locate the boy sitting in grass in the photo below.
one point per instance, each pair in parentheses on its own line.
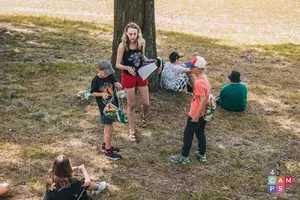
(233,96)
(103,88)
(174,76)
(195,121)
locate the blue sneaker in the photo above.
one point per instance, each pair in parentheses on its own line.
(202,158)
(179,159)
(114,149)
(110,155)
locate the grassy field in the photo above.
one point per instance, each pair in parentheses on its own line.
(44,62)
(239,21)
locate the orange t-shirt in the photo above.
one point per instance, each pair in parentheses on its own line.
(201,88)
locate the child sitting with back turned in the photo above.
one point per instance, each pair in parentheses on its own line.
(61,185)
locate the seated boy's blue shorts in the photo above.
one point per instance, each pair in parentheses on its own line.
(105,120)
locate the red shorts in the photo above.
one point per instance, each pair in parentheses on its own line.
(129,81)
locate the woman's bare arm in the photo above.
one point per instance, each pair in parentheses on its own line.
(120,53)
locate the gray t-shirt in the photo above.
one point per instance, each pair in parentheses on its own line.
(171,75)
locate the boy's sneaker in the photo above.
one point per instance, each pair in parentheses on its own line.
(114,149)
(179,159)
(202,158)
(102,186)
(110,155)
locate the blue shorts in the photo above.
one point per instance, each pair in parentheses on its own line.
(105,120)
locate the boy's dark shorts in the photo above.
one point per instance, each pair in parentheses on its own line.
(105,120)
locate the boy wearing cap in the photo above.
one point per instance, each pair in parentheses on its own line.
(103,88)
(195,121)
(173,76)
(233,96)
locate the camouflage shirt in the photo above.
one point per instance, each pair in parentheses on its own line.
(171,75)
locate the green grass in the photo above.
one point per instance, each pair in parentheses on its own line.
(44,63)
(289,51)
(44,21)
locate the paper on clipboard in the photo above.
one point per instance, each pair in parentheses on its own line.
(146,70)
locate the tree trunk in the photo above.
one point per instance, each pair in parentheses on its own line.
(142,13)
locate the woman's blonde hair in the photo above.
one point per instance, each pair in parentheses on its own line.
(61,173)
(139,40)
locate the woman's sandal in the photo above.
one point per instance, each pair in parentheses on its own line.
(132,137)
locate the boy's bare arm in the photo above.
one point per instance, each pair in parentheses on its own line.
(118,85)
(200,108)
(98,94)
(183,65)
(101,94)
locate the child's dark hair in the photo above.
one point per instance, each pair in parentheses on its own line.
(61,173)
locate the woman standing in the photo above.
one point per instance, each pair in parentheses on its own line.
(130,56)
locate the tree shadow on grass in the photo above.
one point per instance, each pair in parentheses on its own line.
(42,118)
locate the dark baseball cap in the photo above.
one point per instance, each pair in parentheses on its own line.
(105,66)
(174,56)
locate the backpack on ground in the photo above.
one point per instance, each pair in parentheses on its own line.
(85,94)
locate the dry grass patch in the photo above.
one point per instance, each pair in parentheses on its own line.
(41,117)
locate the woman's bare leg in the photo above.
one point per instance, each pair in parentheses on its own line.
(130,95)
(144,99)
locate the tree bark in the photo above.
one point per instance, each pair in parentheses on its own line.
(142,13)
